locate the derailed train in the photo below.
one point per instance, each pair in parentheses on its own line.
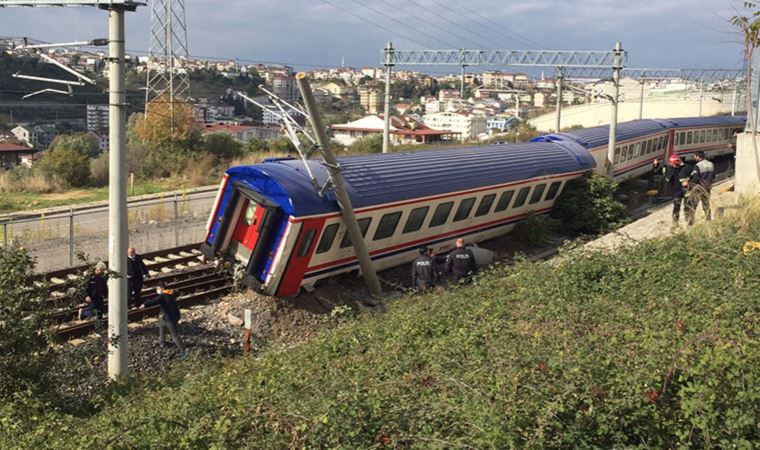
(269,220)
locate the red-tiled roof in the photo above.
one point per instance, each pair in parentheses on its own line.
(223,128)
(13,148)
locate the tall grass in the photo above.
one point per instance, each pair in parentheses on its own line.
(32,182)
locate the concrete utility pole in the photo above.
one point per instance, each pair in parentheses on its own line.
(733,102)
(701,96)
(641,99)
(560,79)
(117,189)
(617,66)
(336,178)
(461,87)
(387,106)
(118,237)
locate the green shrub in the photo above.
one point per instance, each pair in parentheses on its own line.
(67,166)
(534,230)
(586,206)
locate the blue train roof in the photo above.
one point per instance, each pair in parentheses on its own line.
(599,136)
(392,177)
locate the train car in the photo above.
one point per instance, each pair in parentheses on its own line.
(641,141)
(269,220)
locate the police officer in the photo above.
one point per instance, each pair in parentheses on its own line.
(672,175)
(699,185)
(461,263)
(423,270)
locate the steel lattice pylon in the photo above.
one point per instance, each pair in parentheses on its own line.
(167,54)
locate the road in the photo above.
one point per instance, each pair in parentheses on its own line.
(155,222)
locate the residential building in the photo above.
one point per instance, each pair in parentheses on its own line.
(403,130)
(445,95)
(502,123)
(322,96)
(271,116)
(371,99)
(467,126)
(284,86)
(521,81)
(539,100)
(38,136)
(243,133)
(11,155)
(97,118)
(337,90)
(206,113)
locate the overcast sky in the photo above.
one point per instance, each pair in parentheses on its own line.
(656,33)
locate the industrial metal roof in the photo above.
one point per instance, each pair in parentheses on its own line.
(393,177)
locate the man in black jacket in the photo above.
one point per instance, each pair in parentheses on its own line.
(461,262)
(673,174)
(136,271)
(423,270)
(169,316)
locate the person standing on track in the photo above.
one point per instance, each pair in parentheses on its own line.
(136,271)
(699,184)
(461,263)
(169,316)
(672,174)
(423,270)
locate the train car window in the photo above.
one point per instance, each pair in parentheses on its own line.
(485,205)
(363,226)
(617,155)
(650,145)
(250,213)
(553,190)
(637,151)
(681,138)
(504,200)
(702,136)
(522,195)
(662,143)
(416,219)
(306,241)
(441,214)
(387,226)
(688,137)
(715,135)
(627,155)
(465,207)
(328,236)
(538,192)
(725,133)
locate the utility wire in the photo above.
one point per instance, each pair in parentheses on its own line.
(374,23)
(403,24)
(519,36)
(454,23)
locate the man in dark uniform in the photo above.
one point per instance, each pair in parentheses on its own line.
(699,183)
(461,263)
(136,271)
(423,270)
(672,174)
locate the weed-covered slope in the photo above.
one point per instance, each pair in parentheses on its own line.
(656,346)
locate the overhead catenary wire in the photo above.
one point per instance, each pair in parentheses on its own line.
(396,33)
(519,36)
(454,23)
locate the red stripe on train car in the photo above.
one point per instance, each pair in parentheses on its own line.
(296,266)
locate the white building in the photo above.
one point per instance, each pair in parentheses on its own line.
(403,130)
(467,125)
(243,133)
(39,136)
(97,118)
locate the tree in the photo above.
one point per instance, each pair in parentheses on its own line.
(84,143)
(67,166)
(167,125)
(749,26)
(223,146)
(24,327)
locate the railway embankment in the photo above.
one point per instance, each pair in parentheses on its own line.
(653,344)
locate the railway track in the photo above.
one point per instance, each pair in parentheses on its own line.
(182,269)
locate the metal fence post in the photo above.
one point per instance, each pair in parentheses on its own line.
(176,220)
(71,237)
(5,234)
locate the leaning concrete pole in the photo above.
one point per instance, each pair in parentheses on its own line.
(387,106)
(117,198)
(560,80)
(336,178)
(613,120)
(641,99)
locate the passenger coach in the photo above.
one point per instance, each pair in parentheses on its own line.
(641,141)
(269,219)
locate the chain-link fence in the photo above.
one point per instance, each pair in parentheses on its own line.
(56,238)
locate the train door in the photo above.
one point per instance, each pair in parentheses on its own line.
(247,229)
